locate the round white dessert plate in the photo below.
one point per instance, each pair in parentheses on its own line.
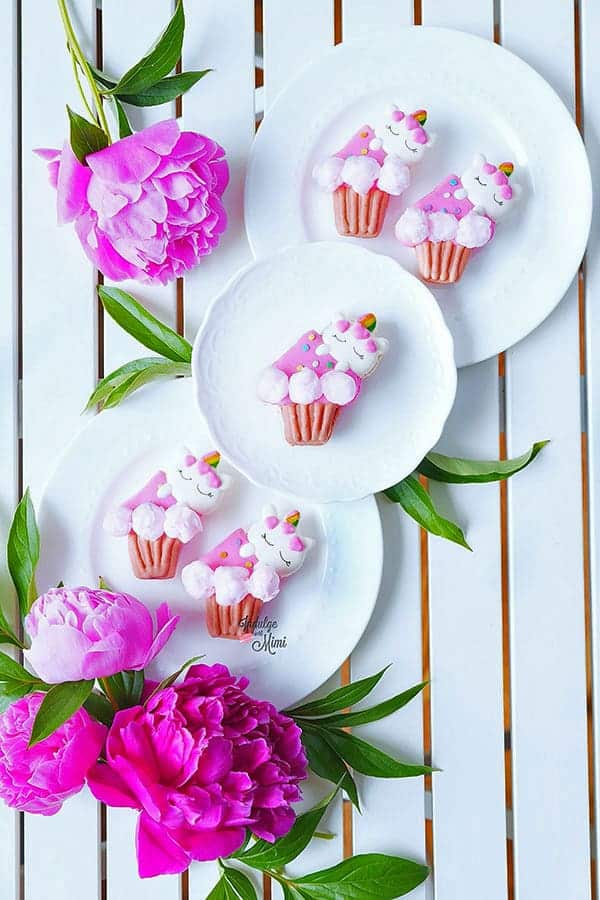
(479,98)
(322,609)
(402,407)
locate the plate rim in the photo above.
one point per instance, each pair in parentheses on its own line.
(379,36)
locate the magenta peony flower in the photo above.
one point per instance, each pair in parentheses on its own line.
(79,633)
(39,779)
(146,207)
(202,762)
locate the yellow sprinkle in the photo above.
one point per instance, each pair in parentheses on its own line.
(364,151)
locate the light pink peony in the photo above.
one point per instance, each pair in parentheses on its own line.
(202,762)
(39,779)
(79,633)
(146,207)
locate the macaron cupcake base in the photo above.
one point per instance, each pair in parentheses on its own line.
(153,559)
(235,621)
(359,215)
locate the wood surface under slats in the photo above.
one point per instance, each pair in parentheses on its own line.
(590,35)
(549,732)
(465,619)
(59,352)
(393,810)
(9,255)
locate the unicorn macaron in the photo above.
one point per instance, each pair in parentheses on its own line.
(321,373)
(374,165)
(457,217)
(245,570)
(167,512)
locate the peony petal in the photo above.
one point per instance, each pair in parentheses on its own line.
(108,787)
(157,852)
(220,171)
(58,653)
(161,137)
(71,187)
(127,160)
(206,845)
(166,628)
(47,153)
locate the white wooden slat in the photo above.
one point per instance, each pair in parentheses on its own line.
(465,622)
(219,36)
(590,36)
(293,36)
(221,106)
(394,634)
(549,740)
(9,236)
(61,853)
(122,46)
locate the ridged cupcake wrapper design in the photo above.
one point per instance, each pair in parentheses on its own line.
(359,215)
(226,621)
(153,559)
(441,262)
(309,423)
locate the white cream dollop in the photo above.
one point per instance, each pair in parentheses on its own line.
(117,521)
(273,385)
(327,174)
(473,230)
(338,388)
(182,523)
(442,226)
(304,386)
(147,520)
(394,176)
(412,227)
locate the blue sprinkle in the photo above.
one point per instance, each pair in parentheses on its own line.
(453,181)
(457,210)
(444,209)
(306,347)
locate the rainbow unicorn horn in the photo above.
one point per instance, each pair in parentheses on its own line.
(213,459)
(293,518)
(421,116)
(368,321)
(507,168)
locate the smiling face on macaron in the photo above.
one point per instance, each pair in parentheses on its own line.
(404,135)
(488,187)
(353,345)
(195,482)
(276,543)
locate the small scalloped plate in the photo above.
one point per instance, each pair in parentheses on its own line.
(479,98)
(402,407)
(321,611)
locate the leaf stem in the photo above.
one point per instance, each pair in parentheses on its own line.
(84,99)
(107,690)
(78,54)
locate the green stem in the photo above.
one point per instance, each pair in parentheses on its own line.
(79,55)
(106,688)
(84,99)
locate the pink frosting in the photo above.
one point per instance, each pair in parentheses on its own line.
(227,553)
(358,145)
(303,355)
(149,494)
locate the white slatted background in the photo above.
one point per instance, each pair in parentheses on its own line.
(440,608)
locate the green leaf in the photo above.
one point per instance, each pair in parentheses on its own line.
(342,697)
(327,763)
(290,892)
(264,855)
(159,61)
(125,129)
(171,679)
(7,635)
(237,885)
(10,693)
(373,713)
(148,368)
(23,552)
(143,326)
(99,708)
(85,137)
(219,891)
(102,78)
(471,471)
(414,500)
(59,704)
(125,688)
(367,876)
(165,90)
(16,681)
(102,584)
(369,760)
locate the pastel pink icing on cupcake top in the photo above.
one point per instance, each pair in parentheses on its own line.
(303,355)
(150,494)
(358,145)
(227,553)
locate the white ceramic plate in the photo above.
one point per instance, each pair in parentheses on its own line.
(479,97)
(402,408)
(322,610)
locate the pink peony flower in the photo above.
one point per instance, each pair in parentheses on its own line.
(202,762)
(79,633)
(146,207)
(39,779)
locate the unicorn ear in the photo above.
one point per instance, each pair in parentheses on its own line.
(478,161)
(268,510)
(431,139)
(338,316)
(382,344)
(517,190)
(185,456)
(308,542)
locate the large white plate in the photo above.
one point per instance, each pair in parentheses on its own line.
(402,408)
(479,97)
(322,610)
